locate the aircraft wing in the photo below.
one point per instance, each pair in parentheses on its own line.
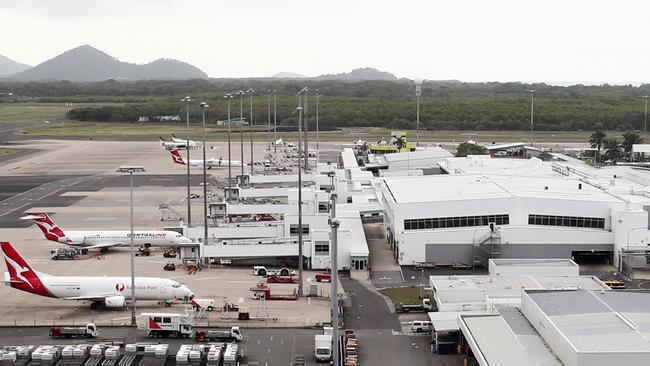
(89,298)
(103,246)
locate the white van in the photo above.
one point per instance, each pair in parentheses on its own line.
(421,326)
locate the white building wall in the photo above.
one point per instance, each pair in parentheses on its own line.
(630,229)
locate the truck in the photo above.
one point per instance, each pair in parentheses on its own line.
(323,347)
(160,325)
(227,335)
(89,331)
(425,305)
(203,304)
(263,271)
(67,253)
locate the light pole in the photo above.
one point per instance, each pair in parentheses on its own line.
(645,123)
(317,130)
(532,110)
(275,121)
(241,130)
(334,225)
(187,101)
(204,106)
(418,92)
(300,259)
(131,170)
(251,91)
(229,97)
(268,117)
(306,111)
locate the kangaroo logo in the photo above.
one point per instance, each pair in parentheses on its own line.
(176,157)
(47,226)
(120,287)
(19,271)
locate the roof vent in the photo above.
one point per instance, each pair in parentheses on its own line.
(546,188)
(579,185)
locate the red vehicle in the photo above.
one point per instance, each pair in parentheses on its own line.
(280,279)
(323,277)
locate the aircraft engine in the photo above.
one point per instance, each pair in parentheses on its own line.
(115,302)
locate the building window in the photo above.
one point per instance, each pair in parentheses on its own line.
(293,229)
(458,221)
(568,221)
(323,207)
(322,248)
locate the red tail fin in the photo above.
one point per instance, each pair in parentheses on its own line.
(176,157)
(48,227)
(21,275)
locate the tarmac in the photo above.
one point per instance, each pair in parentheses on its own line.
(77,183)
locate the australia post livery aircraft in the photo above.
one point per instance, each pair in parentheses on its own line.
(111,292)
(209,163)
(99,239)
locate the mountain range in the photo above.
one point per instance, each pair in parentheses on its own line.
(360,74)
(86,63)
(9,66)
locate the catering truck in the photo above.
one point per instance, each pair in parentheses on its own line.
(167,325)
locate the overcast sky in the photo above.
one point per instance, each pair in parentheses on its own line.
(555,41)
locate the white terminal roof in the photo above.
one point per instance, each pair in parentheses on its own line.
(429,153)
(598,322)
(506,340)
(350,232)
(435,188)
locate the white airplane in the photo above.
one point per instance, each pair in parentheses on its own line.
(181,144)
(176,139)
(110,292)
(209,163)
(104,239)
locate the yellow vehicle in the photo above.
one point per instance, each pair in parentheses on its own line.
(615,284)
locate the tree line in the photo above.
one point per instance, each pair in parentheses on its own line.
(445,105)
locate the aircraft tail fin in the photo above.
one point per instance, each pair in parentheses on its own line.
(21,275)
(176,157)
(47,226)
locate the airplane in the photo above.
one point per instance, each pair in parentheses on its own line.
(176,139)
(109,292)
(181,144)
(104,239)
(209,163)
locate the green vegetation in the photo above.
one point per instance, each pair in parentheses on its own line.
(7,152)
(468,148)
(31,112)
(405,295)
(449,106)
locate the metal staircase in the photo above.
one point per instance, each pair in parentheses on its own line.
(169,213)
(486,247)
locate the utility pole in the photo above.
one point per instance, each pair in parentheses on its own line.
(300,240)
(334,225)
(275,121)
(645,123)
(306,129)
(317,130)
(229,97)
(532,110)
(251,91)
(418,92)
(241,130)
(187,101)
(204,106)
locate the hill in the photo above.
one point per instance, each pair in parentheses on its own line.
(365,73)
(288,75)
(86,63)
(9,66)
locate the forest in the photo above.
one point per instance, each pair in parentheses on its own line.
(445,105)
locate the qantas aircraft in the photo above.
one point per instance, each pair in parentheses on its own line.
(181,144)
(104,239)
(110,292)
(209,163)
